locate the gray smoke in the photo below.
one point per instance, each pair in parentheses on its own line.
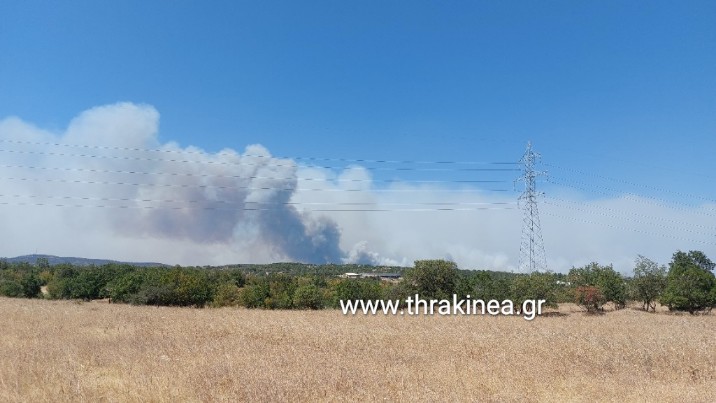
(189,206)
(173,192)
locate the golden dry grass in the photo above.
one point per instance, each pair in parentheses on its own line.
(66,351)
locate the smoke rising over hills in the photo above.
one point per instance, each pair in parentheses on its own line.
(163,191)
(107,187)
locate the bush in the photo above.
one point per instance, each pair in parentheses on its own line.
(125,286)
(395,292)
(356,289)
(10,288)
(281,290)
(486,286)
(191,287)
(535,286)
(255,293)
(590,298)
(19,281)
(308,297)
(611,285)
(690,283)
(227,294)
(432,279)
(59,287)
(89,284)
(159,295)
(31,285)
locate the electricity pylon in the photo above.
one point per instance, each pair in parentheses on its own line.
(532,256)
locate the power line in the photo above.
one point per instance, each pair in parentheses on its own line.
(202,153)
(627,228)
(335,210)
(628,219)
(623,181)
(637,198)
(208,201)
(244,177)
(213,186)
(615,211)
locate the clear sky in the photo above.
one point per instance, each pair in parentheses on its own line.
(618,96)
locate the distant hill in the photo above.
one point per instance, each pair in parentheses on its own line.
(76,261)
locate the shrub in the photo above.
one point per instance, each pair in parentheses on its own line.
(357,289)
(590,298)
(486,286)
(611,285)
(89,284)
(535,286)
(160,295)
(124,286)
(227,294)
(395,292)
(281,289)
(10,288)
(308,297)
(255,293)
(433,279)
(31,285)
(690,283)
(190,286)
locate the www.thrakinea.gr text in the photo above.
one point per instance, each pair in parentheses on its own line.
(414,305)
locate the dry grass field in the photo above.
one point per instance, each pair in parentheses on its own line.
(69,351)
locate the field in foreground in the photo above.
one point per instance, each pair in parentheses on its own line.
(62,350)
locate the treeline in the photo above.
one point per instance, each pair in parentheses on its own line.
(687,284)
(307,269)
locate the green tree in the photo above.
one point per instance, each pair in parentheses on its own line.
(19,280)
(485,285)
(648,283)
(690,283)
(125,285)
(255,293)
(611,285)
(432,279)
(308,297)
(227,294)
(88,284)
(60,287)
(191,287)
(11,288)
(534,286)
(356,289)
(394,292)
(153,294)
(30,283)
(281,289)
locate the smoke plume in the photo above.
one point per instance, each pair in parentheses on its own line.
(107,187)
(123,178)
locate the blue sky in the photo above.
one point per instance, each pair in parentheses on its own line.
(618,89)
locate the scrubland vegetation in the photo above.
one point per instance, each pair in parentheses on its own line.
(687,285)
(93,351)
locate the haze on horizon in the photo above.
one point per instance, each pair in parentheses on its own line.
(283,116)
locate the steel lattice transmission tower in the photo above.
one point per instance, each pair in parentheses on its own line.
(532,256)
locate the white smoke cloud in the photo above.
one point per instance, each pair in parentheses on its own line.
(174,204)
(187,206)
